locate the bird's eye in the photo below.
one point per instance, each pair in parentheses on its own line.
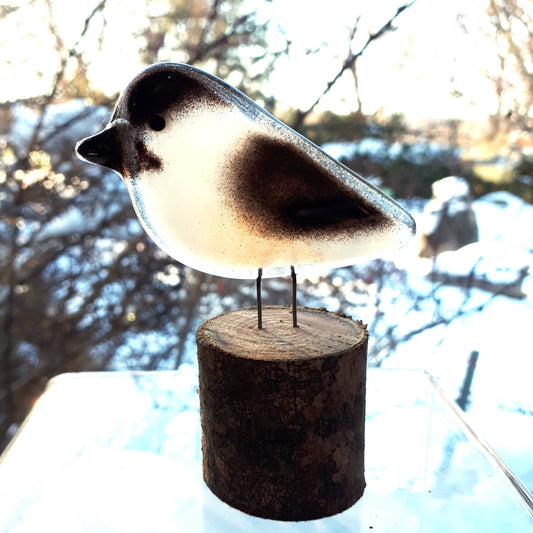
(157,123)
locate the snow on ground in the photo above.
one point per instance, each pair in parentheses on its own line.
(501,398)
(379,150)
(501,388)
(504,217)
(495,261)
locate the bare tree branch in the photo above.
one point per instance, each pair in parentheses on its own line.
(349,62)
(513,26)
(204,50)
(62,69)
(387,342)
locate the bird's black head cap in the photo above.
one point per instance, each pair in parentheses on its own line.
(161,88)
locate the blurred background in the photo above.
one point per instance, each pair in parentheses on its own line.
(431,101)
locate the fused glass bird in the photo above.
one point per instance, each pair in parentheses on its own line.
(224,187)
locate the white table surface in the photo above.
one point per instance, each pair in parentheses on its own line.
(120,452)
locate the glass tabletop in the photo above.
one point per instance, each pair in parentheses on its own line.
(113,452)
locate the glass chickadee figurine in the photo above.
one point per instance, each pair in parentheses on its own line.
(224,187)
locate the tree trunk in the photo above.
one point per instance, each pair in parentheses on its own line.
(283,411)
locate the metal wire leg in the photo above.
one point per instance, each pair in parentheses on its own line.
(294,312)
(259,304)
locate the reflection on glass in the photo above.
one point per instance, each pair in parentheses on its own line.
(122,452)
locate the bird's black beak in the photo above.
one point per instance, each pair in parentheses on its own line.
(105,148)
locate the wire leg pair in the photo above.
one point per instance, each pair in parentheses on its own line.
(259,303)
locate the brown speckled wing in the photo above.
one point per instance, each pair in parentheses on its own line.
(286,193)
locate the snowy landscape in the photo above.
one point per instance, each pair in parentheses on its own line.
(501,399)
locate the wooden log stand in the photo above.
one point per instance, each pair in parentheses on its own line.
(283,411)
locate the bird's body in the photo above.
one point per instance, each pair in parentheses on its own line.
(225,188)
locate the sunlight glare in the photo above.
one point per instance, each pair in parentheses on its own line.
(413,70)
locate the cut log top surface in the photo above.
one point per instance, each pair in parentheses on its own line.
(319,334)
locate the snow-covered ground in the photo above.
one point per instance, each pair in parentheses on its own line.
(379,150)
(501,397)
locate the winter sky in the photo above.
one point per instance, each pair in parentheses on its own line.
(414,70)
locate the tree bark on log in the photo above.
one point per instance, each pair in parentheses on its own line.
(283,411)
